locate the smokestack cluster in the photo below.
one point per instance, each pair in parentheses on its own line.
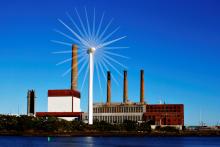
(31,103)
(74,71)
(125,89)
(108,88)
(142,87)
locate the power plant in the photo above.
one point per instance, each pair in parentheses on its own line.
(65,103)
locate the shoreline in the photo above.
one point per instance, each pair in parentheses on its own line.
(111,134)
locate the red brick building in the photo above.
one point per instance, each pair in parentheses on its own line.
(165,114)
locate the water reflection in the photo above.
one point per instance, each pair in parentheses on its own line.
(16,141)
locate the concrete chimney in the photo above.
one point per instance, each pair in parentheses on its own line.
(108,88)
(74,71)
(142,87)
(125,90)
(31,103)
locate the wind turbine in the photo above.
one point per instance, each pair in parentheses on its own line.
(92,39)
(91,73)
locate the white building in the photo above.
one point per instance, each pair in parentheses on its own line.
(64,104)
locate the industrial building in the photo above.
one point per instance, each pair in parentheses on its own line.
(160,114)
(65,103)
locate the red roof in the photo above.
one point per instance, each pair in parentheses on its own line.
(59,114)
(63,92)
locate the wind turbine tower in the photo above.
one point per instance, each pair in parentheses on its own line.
(91,72)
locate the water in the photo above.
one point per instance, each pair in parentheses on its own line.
(14,141)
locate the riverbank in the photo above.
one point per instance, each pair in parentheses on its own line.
(111,133)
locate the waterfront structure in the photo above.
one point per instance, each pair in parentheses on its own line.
(65,103)
(165,114)
(118,112)
(158,114)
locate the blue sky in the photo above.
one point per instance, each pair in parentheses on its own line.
(175,42)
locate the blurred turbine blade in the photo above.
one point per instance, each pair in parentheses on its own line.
(69,59)
(100,85)
(93,26)
(112,74)
(83,58)
(100,24)
(68,51)
(67,36)
(110,58)
(82,40)
(84,79)
(102,70)
(62,52)
(118,55)
(115,47)
(82,67)
(80,32)
(87,21)
(110,42)
(82,25)
(106,28)
(112,66)
(60,42)
(109,35)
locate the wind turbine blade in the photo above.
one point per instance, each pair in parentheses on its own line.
(109,35)
(60,42)
(87,21)
(83,58)
(93,26)
(100,85)
(69,59)
(82,40)
(100,24)
(115,47)
(105,29)
(115,54)
(115,61)
(110,42)
(68,51)
(82,25)
(67,36)
(112,66)
(112,74)
(76,26)
(84,79)
(82,67)
(62,52)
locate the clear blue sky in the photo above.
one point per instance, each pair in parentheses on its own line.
(176,43)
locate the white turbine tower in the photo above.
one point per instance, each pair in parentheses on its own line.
(91,73)
(92,38)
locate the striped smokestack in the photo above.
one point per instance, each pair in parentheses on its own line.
(74,71)
(108,88)
(125,90)
(142,87)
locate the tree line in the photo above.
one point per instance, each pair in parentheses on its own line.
(53,124)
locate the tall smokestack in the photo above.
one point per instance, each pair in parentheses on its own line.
(142,87)
(125,90)
(74,71)
(108,88)
(31,103)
